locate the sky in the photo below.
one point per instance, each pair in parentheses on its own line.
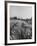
(21,11)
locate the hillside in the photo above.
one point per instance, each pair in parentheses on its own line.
(20,29)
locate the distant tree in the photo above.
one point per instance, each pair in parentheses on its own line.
(15,17)
(26,20)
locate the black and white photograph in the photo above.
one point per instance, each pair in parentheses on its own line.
(20,22)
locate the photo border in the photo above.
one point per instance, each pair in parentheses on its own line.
(6,22)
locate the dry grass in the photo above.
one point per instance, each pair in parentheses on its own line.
(20,30)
